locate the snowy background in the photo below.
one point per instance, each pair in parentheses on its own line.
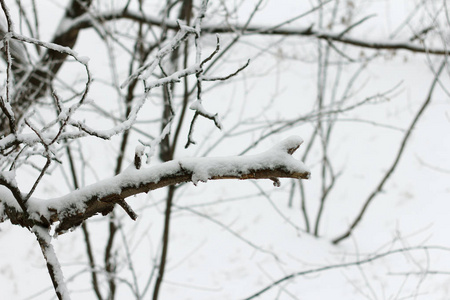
(230,239)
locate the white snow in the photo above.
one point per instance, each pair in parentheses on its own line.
(8,199)
(50,256)
(206,168)
(51,46)
(6,196)
(205,262)
(139,150)
(83,59)
(202,168)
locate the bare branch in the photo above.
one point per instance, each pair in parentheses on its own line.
(369,259)
(204,78)
(86,22)
(391,170)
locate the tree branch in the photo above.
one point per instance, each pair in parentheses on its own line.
(367,260)
(85,21)
(391,170)
(33,84)
(71,210)
(53,266)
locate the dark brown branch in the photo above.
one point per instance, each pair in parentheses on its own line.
(86,22)
(92,265)
(104,205)
(110,266)
(130,212)
(165,248)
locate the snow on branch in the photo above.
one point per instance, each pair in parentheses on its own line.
(145,71)
(72,209)
(53,266)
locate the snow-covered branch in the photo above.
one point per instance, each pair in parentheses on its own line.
(53,266)
(72,209)
(33,82)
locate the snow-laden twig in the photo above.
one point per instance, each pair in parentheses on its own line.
(197,105)
(53,266)
(5,105)
(146,70)
(71,210)
(41,135)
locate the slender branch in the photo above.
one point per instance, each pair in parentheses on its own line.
(343,265)
(87,240)
(168,149)
(110,266)
(391,170)
(92,265)
(165,248)
(227,228)
(303,207)
(85,21)
(223,78)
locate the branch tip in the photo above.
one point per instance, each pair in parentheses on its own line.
(130,212)
(276,181)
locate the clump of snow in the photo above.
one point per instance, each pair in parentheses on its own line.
(292,142)
(62,115)
(277,157)
(139,150)
(83,59)
(198,107)
(9,177)
(6,196)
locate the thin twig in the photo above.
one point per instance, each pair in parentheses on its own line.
(391,170)
(343,265)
